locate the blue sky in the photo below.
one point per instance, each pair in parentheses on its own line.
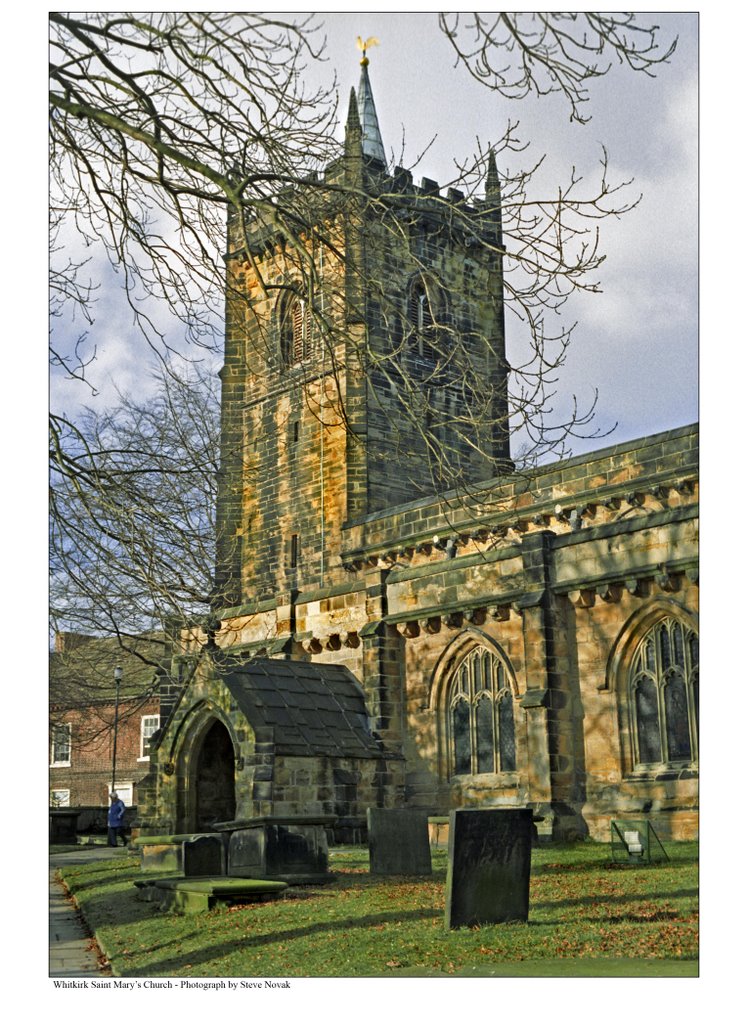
(637,342)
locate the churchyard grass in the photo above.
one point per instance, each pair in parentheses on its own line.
(588,917)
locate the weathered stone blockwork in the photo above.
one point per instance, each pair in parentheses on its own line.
(562,602)
(493,632)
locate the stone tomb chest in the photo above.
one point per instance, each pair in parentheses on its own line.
(289,849)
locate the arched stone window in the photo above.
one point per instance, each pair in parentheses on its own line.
(480,716)
(294,331)
(663,693)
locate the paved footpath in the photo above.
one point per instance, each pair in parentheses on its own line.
(72,952)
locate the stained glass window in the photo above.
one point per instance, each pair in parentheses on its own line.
(663,684)
(481,716)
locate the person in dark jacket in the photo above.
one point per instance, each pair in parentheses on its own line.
(115,820)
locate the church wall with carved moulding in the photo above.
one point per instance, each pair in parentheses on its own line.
(565,497)
(610,547)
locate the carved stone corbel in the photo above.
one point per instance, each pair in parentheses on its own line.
(408,629)
(582,598)
(500,612)
(431,625)
(667,581)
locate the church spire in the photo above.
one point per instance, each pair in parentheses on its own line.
(493,194)
(492,176)
(367,112)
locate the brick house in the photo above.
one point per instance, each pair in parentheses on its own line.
(533,644)
(83,701)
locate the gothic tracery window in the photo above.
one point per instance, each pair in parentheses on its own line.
(481,717)
(664,695)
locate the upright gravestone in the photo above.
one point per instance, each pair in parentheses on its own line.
(204,856)
(398,841)
(488,870)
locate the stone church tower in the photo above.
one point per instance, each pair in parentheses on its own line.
(342,372)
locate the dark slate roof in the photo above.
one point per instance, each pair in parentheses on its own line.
(305,708)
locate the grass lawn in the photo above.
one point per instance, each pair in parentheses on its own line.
(587,918)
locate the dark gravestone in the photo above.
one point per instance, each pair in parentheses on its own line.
(488,871)
(247,853)
(204,856)
(63,826)
(398,841)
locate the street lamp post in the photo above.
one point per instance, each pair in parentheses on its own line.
(117,681)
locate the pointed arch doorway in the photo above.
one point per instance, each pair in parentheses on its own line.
(208,794)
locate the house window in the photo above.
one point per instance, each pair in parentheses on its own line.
(664,695)
(481,717)
(124,791)
(59,798)
(294,331)
(148,725)
(60,746)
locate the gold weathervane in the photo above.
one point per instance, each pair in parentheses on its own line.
(364,46)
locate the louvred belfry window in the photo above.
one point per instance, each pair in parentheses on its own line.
(294,332)
(420,308)
(425,314)
(481,717)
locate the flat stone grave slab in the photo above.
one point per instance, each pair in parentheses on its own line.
(203,856)
(195,895)
(292,849)
(488,869)
(398,841)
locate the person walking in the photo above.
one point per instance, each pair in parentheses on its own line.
(115,820)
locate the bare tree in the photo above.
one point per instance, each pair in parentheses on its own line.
(81,678)
(133,501)
(159,122)
(518,54)
(165,126)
